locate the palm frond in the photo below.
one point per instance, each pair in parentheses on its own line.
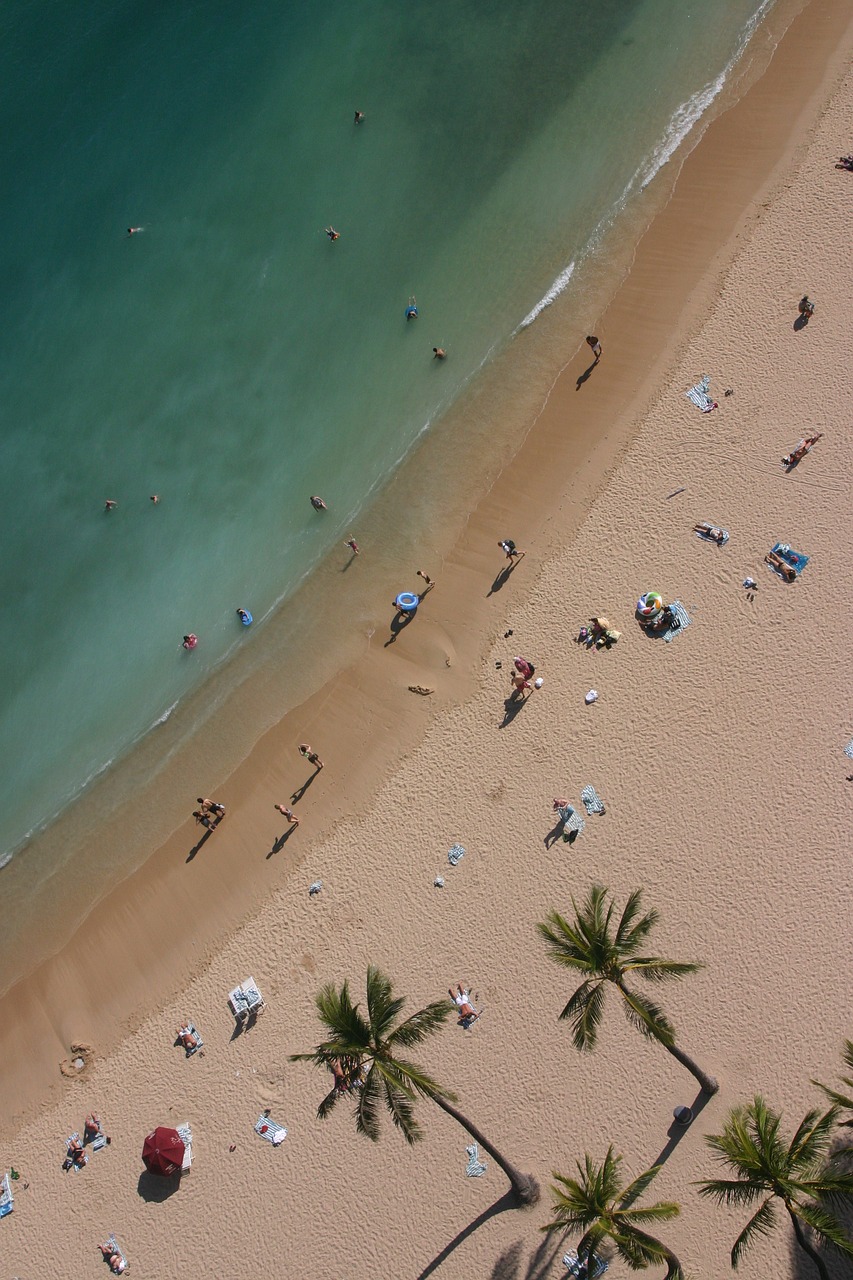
(823,1223)
(367,1107)
(663,1211)
(841,1100)
(639,1186)
(420,1025)
(809,1144)
(584,1012)
(399,1104)
(760,1224)
(739,1193)
(830,1184)
(382,1006)
(646,1017)
(342,1018)
(655,969)
(411,1079)
(325,1107)
(566,944)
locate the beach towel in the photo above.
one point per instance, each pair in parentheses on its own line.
(270,1131)
(596,1266)
(683,621)
(592,801)
(116,1248)
(74,1164)
(455,855)
(314,888)
(795,559)
(7,1200)
(186,1135)
(698,395)
(572,821)
(476,1168)
(706,537)
(99,1142)
(848,750)
(193,1030)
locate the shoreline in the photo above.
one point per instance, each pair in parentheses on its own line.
(677,263)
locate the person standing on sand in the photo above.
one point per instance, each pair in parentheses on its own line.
(288,813)
(508,546)
(310,756)
(806,308)
(212,805)
(430,582)
(594,345)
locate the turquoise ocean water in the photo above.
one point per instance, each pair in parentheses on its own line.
(229,357)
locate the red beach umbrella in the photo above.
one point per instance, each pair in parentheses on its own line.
(163,1152)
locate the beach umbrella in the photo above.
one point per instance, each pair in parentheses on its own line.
(163,1152)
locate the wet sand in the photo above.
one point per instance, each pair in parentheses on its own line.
(694,746)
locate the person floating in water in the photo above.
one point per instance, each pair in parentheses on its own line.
(132,231)
(359,116)
(439,353)
(190,641)
(244,616)
(412,309)
(332,233)
(317,503)
(110,504)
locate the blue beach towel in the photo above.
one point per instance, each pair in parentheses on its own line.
(795,559)
(7,1200)
(684,620)
(592,801)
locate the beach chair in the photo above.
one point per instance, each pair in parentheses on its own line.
(7,1200)
(246,1000)
(116,1248)
(266,1128)
(589,1270)
(187,1137)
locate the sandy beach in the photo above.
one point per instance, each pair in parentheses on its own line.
(719,757)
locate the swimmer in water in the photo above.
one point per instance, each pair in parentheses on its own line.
(359,116)
(317,503)
(190,641)
(109,504)
(439,353)
(155,498)
(412,309)
(243,616)
(353,545)
(132,231)
(332,233)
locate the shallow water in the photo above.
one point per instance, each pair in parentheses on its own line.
(230,358)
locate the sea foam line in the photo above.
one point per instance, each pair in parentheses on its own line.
(553,293)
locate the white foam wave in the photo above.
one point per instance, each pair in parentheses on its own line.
(165,716)
(553,293)
(5,859)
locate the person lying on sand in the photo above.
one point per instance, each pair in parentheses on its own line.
(186,1037)
(91,1127)
(804,447)
(116,1261)
(712,532)
(777,563)
(467,1012)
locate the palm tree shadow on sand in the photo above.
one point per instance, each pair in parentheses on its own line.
(510,1265)
(506,1201)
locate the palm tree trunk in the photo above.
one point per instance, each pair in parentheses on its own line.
(708,1084)
(674,1269)
(807,1247)
(524,1185)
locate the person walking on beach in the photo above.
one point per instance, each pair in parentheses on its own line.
(288,813)
(430,582)
(311,756)
(213,806)
(352,544)
(509,548)
(806,308)
(317,503)
(594,345)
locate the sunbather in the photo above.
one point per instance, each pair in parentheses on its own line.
(776,562)
(75,1155)
(186,1037)
(467,1012)
(791,459)
(91,1127)
(113,1257)
(712,532)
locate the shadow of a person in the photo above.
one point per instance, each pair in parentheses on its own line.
(586,374)
(208,833)
(282,841)
(300,791)
(502,579)
(512,706)
(399,622)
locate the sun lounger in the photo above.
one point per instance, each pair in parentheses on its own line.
(270,1131)
(455,854)
(476,1168)
(574,1266)
(699,396)
(7,1200)
(592,801)
(246,999)
(793,559)
(683,618)
(116,1248)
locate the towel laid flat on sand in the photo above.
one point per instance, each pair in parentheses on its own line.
(592,801)
(476,1168)
(848,750)
(7,1200)
(572,821)
(270,1131)
(455,854)
(699,396)
(683,621)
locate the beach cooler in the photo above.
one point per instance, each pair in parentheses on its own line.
(246,999)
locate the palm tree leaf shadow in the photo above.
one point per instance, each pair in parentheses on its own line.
(510,1264)
(506,1201)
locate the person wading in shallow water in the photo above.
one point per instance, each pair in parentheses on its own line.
(594,345)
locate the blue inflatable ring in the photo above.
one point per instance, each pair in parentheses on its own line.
(407,602)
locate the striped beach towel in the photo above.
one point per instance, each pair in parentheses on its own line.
(699,396)
(270,1131)
(455,854)
(848,750)
(572,821)
(476,1168)
(683,621)
(7,1200)
(592,801)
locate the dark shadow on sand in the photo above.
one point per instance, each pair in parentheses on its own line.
(195,849)
(503,577)
(507,1201)
(398,623)
(344,567)
(800,323)
(586,374)
(282,840)
(300,791)
(512,706)
(677,1131)
(155,1190)
(511,1266)
(242,1025)
(554,835)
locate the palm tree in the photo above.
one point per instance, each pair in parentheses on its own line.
(842,1101)
(796,1173)
(364,1051)
(591,946)
(597,1203)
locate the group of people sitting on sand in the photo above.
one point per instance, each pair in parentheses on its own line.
(599,634)
(76,1155)
(210,814)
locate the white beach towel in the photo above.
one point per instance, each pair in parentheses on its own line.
(476,1168)
(116,1248)
(592,801)
(270,1131)
(455,854)
(7,1200)
(848,750)
(314,888)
